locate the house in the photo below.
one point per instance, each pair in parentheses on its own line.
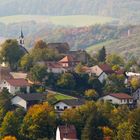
(55,67)
(66,132)
(79,55)
(60,47)
(118,98)
(102,71)
(67,104)
(68,62)
(136,96)
(27,100)
(15,85)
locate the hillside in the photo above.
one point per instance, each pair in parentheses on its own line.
(126,46)
(126,10)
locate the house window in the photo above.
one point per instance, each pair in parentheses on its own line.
(110,100)
(65,107)
(57,107)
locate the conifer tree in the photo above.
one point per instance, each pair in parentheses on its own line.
(102,54)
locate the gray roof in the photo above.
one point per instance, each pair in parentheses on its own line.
(33,96)
(72,102)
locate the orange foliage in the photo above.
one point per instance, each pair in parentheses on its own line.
(9,138)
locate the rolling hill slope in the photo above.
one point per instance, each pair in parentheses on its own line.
(127,46)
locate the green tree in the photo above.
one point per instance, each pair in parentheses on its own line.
(114,83)
(11,52)
(92,129)
(134,119)
(26,62)
(38,73)
(5,99)
(102,54)
(114,59)
(41,52)
(66,81)
(39,122)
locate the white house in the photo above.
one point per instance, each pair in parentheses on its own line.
(15,85)
(118,98)
(55,67)
(67,104)
(27,100)
(66,132)
(101,71)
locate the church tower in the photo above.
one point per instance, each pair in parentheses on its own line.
(21,39)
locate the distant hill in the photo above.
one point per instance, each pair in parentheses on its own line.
(126,10)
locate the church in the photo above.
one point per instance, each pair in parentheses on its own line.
(21,42)
(21,45)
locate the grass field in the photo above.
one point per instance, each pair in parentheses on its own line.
(60,96)
(75,20)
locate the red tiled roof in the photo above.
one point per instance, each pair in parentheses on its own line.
(68,131)
(106,68)
(121,95)
(18,82)
(67,59)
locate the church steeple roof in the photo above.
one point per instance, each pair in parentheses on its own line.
(22,36)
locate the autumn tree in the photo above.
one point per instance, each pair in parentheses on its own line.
(124,131)
(135,82)
(9,138)
(66,81)
(102,54)
(91,94)
(11,124)
(39,122)
(11,52)
(119,115)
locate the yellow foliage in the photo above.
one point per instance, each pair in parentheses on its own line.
(90,93)
(135,82)
(107,131)
(9,138)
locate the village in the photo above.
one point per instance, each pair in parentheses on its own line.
(52,78)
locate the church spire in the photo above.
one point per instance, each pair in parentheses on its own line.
(22,36)
(21,39)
